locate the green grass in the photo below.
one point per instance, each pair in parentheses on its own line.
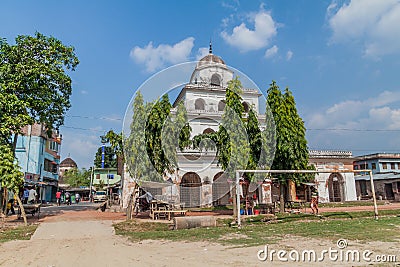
(351,204)
(17,233)
(359,226)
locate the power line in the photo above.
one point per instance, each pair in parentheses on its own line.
(352,130)
(93,118)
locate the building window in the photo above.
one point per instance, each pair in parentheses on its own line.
(373,166)
(54,146)
(50,166)
(356,167)
(392,166)
(208,130)
(221,105)
(215,80)
(199,104)
(98,176)
(364,166)
(245,107)
(384,166)
(110,176)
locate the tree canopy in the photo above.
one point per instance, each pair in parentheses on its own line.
(34,85)
(291,144)
(110,158)
(76,178)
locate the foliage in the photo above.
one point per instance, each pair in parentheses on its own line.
(34,86)
(291,144)
(115,141)
(255,141)
(233,147)
(76,178)
(175,133)
(207,141)
(110,160)
(154,125)
(139,165)
(10,174)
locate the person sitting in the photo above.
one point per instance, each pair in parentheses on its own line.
(32,196)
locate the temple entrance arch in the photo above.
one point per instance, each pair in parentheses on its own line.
(220,190)
(190,190)
(336,187)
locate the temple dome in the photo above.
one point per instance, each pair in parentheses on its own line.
(68,162)
(210,59)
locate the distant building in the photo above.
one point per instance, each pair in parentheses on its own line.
(39,158)
(386,173)
(334,187)
(66,165)
(106,176)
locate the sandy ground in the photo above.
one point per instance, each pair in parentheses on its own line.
(86,238)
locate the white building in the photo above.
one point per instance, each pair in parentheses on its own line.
(334,187)
(199,181)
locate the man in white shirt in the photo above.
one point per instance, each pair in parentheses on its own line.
(32,196)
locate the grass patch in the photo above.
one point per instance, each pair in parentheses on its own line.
(17,233)
(358,226)
(351,204)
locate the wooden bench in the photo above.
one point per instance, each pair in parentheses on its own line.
(157,214)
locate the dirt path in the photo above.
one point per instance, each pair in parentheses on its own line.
(86,238)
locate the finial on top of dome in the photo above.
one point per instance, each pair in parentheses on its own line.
(210,50)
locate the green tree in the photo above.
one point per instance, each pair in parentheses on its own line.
(34,85)
(291,144)
(175,134)
(10,175)
(110,158)
(76,178)
(154,125)
(255,141)
(135,148)
(115,141)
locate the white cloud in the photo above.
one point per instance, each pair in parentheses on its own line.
(246,39)
(271,52)
(202,52)
(289,55)
(382,111)
(157,57)
(365,126)
(373,23)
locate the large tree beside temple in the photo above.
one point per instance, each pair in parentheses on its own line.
(291,144)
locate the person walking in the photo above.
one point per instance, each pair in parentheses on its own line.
(314,200)
(58,197)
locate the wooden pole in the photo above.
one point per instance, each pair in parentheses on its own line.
(373,195)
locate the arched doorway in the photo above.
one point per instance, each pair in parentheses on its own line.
(221,105)
(246,106)
(336,188)
(190,190)
(220,190)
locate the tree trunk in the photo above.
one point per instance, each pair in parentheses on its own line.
(281,197)
(23,214)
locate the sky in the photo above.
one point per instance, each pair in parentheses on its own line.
(340,59)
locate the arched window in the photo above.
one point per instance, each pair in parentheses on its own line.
(245,106)
(208,130)
(221,105)
(215,80)
(199,104)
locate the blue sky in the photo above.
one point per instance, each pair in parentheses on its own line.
(339,58)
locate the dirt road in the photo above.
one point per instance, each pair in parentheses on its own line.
(86,238)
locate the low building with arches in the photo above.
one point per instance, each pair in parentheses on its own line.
(334,187)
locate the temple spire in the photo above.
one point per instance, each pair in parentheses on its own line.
(210,50)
